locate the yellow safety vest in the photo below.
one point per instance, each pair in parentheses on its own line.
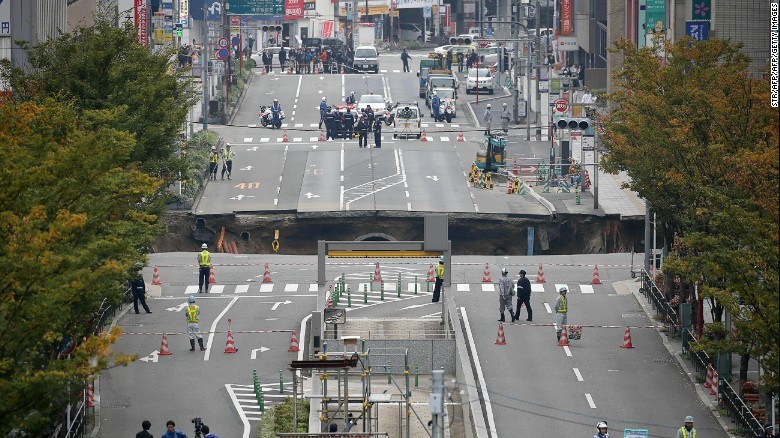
(563,308)
(440,270)
(204,258)
(228,155)
(684,432)
(193,314)
(214,158)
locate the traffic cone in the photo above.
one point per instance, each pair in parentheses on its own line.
(164,351)
(627,339)
(564,339)
(423,137)
(284,137)
(486,275)
(540,275)
(461,139)
(377,273)
(156,277)
(267,275)
(587,180)
(342,68)
(708,380)
(90,394)
(293,343)
(263,73)
(714,388)
(431,277)
(212,279)
(514,170)
(230,346)
(500,340)
(322,135)
(596,279)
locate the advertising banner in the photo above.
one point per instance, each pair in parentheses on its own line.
(293,9)
(567,17)
(141,18)
(5,17)
(415,4)
(655,17)
(698,30)
(327,29)
(184,12)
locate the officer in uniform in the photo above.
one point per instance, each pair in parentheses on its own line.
(138,287)
(362,130)
(330,124)
(213,163)
(505,291)
(524,296)
(439,280)
(378,132)
(204,262)
(687,431)
(601,427)
(349,124)
(561,310)
(193,323)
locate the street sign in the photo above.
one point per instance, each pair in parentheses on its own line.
(635,433)
(235,20)
(427,10)
(222,54)
(257,7)
(222,42)
(561,105)
(235,40)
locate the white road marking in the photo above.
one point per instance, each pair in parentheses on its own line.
(537,287)
(410,287)
(299,125)
(547,306)
(566,350)
(454,125)
(241,414)
(476,208)
(314,125)
(408,206)
(247,139)
(284,125)
(279,303)
(432,315)
(265,140)
(217,289)
(297,139)
(314,138)
(464,287)
(266,287)
(439,125)
(586,289)
(242,288)
(192,289)
(253,125)
(590,401)
(291,287)
(407,193)
(577,373)
(255,350)
(480,376)
(342,88)
(446,139)
(276,201)
(302,331)
(341,196)
(423,125)
(214,327)
(314,287)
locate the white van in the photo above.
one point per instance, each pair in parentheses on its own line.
(366,59)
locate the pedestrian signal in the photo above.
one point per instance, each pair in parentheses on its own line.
(578,124)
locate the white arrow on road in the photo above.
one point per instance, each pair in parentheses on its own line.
(246,168)
(320,91)
(261,349)
(314,146)
(279,303)
(416,306)
(434,177)
(152,357)
(178,308)
(311,195)
(253,149)
(240,197)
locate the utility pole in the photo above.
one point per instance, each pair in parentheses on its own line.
(204,70)
(436,403)
(539,52)
(226,34)
(596,168)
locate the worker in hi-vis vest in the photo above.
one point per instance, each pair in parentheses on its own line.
(561,310)
(439,280)
(193,323)
(204,266)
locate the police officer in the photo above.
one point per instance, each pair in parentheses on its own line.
(193,323)
(524,296)
(505,291)
(323,109)
(204,263)
(378,132)
(351,98)
(330,125)
(687,431)
(439,280)
(561,310)
(349,124)
(601,428)
(138,287)
(362,130)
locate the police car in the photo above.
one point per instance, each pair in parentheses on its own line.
(406,120)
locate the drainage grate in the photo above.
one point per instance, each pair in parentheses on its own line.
(114,406)
(129,325)
(633,315)
(669,360)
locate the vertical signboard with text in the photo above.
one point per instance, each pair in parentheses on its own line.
(141,19)
(567,17)
(5,18)
(293,9)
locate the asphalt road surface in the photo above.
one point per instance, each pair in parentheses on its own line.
(534,387)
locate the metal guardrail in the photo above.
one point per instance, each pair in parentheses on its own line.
(662,307)
(699,358)
(78,427)
(739,412)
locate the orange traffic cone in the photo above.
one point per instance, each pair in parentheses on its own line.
(714,388)
(164,351)
(263,73)
(377,273)
(627,339)
(322,135)
(423,137)
(596,279)
(267,275)
(486,275)
(563,341)
(284,137)
(293,343)
(156,277)
(212,279)
(431,277)
(230,346)
(708,381)
(500,340)
(540,275)
(461,139)
(342,69)
(90,393)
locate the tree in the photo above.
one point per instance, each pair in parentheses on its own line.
(72,222)
(698,138)
(104,67)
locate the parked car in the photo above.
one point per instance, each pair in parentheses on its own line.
(412,32)
(258,56)
(479,78)
(407,121)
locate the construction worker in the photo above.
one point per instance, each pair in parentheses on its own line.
(506,289)
(193,323)
(524,296)
(687,431)
(439,280)
(227,161)
(204,263)
(561,310)
(601,427)
(213,162)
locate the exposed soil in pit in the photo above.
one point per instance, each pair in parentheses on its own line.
(489,234)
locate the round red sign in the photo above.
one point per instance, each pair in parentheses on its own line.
(561,105)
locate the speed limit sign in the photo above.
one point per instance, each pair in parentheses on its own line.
(561,105)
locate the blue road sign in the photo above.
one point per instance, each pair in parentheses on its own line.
(223,54)
(698,30)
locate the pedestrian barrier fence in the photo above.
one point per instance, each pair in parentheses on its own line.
(662,307)
(739,412)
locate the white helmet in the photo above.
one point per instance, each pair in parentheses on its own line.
(324,99)
(488,105)
(204,246)
(601,425)
(563,289)
(688,419)
(504,271)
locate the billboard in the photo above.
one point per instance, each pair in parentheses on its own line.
(293,9)
(5,17)
(655,17)
(140,20)
(567,17)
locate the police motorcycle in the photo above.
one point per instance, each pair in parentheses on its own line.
(446,110)
(270,117)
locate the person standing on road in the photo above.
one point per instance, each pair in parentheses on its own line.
(487,118)
(506,289)
(687,431)
(330,125)
(439,280)
(193,323)
(172,432)
(207,432)
(460,62)
(378,132)
(524,296)
(449,60)
(145,425)
(405,59)
(213,163)
(506,116)
(561,310)
(351,98)
(204,265)
(138,287)
(227,161)
(601,427)
(282,58)
(323,109)
(362,130)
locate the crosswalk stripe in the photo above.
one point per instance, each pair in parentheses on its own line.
(267,287)
(247,139)
(463,288)
(488,287)
(279,139)
(299,125)
(253,125)
(284,125)
(242,288)
(265,140)
(314,125)
(396,71)
(586,289)
(440,125)
(217,289)
(313,138)
(454,125)
(445,139)
(537,287)
(410,287)
(423,125)
(192,289)
(297,139)
(291,287)
(314,287)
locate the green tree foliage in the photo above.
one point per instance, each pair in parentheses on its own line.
(104,67)
(699,140)
(72,222)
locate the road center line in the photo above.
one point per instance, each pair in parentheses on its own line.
(343,95)
(214,327)
(567,351)
(480,376)
(298,91)
(590,401)
(577,373)
(547,306)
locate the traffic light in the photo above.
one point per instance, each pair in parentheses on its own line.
(264,28)
(461,41)
(579,124)
(278,28)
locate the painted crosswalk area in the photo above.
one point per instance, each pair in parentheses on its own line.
(245,400)
(392,290)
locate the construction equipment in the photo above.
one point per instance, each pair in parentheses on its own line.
(493,155)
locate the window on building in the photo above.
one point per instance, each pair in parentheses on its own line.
(603,42)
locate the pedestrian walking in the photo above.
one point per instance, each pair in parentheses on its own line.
(524,296)
(460,62)
(207,432)
(227,161)
(193,323)
(138,288)
(506,116)
(439,280)
(145,425)
(378,133)
(204,264)
(601,428)
(687,431)
(506,289)
(323,110)
(213,163)
(487,118)
(362,130)
(561,310)
(172,432)
(405,59)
